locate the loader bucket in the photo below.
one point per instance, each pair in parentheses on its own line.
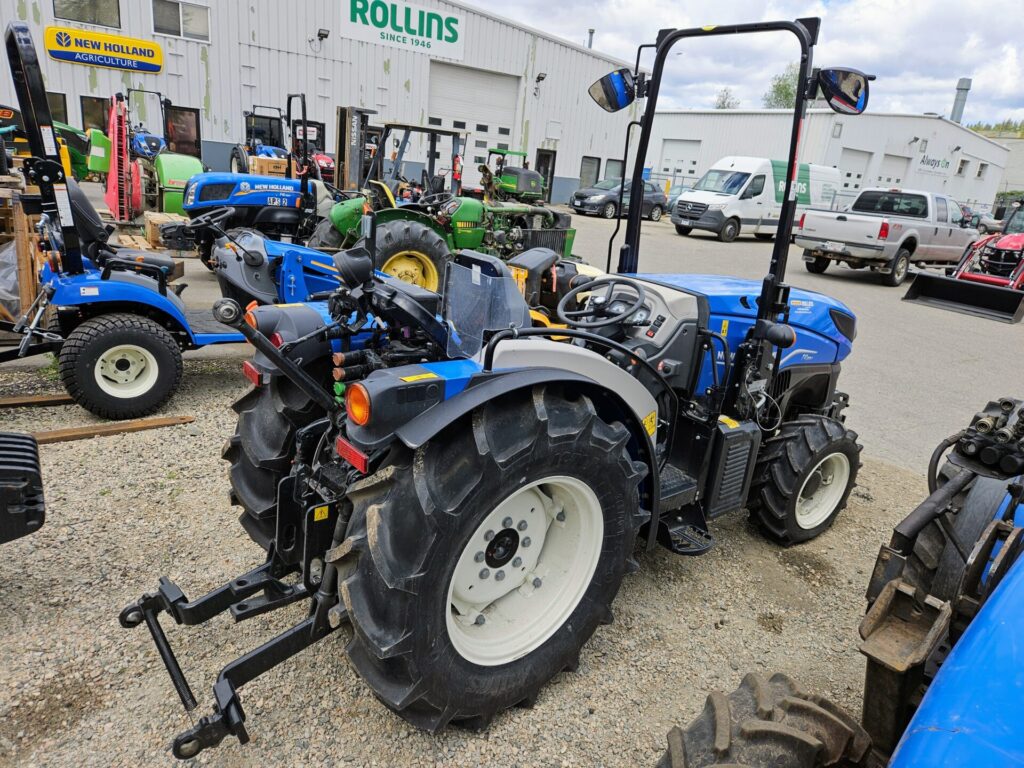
(992,301)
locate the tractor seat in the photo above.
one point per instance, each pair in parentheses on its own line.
(91,229)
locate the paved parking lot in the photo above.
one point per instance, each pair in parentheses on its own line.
(916,373)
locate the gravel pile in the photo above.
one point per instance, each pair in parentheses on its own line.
(76,689)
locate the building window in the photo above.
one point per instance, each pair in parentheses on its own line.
(982,167)
(181,19)
(95,113)
(837,131)
(104,13)
(58,104)
(479,160)
(481,128)
(504,131)
(961,167)
(459,125)
(433,121)
(480,144)
(924,145)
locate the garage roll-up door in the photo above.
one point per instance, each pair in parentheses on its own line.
(480,102)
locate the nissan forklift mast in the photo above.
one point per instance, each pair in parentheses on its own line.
(43,168)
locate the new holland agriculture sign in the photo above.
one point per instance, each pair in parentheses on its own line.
(99,49)
(405,25)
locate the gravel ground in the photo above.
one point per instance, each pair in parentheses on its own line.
(76,689)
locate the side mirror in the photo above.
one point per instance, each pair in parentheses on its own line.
(845,90)
(614,91)
(975,220)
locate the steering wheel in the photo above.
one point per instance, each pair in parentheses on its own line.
(212,219)
(597,305)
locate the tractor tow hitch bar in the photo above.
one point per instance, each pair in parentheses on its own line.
(253,593)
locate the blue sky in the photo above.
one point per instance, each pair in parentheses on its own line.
(918,49)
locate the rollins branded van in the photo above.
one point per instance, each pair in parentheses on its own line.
(743,195)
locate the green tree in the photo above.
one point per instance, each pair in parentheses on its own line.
(781,94)
(726,99)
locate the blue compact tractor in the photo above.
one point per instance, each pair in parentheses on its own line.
(466,491)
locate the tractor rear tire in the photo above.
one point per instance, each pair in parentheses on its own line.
(791,495)
(326,235)
(239,162)
(120,366)
(935,565)
(768,723)
(411,251)
(261,450)
(423,528)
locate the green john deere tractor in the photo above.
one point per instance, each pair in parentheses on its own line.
(510,178)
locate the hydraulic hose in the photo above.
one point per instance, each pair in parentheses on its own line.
(933,463)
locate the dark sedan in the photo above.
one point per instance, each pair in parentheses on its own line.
(602,199)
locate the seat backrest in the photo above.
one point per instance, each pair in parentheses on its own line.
(87,221)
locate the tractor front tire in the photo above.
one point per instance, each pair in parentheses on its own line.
(803,478)
(326,235)
(120,366)
(261,450)
(411,251)
(531,501)
(768,723)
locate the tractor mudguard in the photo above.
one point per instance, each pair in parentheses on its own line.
(345,215)
(172,173)
(291,322)
(119,290)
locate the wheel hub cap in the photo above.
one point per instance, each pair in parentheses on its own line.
(126,371)
(822,490)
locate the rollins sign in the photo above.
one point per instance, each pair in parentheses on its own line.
(405,25)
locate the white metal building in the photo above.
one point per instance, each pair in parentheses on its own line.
(435,63)
(874,149)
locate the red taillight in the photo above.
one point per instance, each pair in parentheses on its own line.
(351,454)
(276,339)
(883,231)
(252,373)
(802,217)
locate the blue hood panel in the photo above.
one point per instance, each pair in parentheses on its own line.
(246,190)
(732,303)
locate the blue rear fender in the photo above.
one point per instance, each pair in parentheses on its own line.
(301,271)
(122,292)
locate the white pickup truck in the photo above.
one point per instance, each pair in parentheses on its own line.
(886,230)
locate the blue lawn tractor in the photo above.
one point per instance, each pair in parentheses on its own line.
(943,685)
(466,491)
(117,325)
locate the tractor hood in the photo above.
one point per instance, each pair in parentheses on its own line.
(1013,242)
(814,314)
(240,189)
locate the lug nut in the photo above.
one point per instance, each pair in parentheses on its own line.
(526,541)
(517,562)
(506,523)
(479,557)
(489,535)
(522,525)
(484,573)
(536,583)
(499,576)
(479,620)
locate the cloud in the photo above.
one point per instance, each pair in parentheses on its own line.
(917,48)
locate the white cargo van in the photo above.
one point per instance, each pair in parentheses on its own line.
(743,195)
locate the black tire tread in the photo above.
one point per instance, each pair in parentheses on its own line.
(779,463)
(402,234)
(768,721)
(380,573)
(93,329)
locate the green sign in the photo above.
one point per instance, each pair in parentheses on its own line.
(802,185)
(405,25)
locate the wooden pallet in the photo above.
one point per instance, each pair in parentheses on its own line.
(134,241)
(153,220)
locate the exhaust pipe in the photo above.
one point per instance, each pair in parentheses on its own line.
(972,298)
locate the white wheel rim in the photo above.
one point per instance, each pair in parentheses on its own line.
(126,371)
(822,490)
(547,556)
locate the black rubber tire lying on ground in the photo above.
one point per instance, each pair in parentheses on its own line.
(784,463)
(87,343)
(262,448)
(768,723)
(412,520)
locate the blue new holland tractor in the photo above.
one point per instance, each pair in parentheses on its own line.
(465,491)
(941,635)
